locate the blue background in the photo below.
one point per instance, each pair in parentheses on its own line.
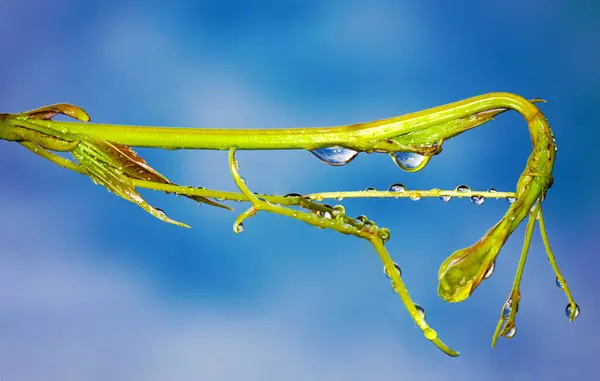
(93,288)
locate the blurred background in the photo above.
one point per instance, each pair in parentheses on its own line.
(94,288)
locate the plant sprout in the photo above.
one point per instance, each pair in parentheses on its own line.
(103,153)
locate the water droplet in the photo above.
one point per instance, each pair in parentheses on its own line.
(445,198)
(492,190)
(568,311)
(161,212)
(397,188)
(293,195)
(415,196)
(410,161)
(420,310)
(361,220)
(384,234)
(477,200)
(559,284)
(339,198)
(510,200)
(239,228)
(370,189)
(463,189)
(338,209)
(335,155)
(327,215)
(507,309)
(398,270)
(490,271)
(511,332)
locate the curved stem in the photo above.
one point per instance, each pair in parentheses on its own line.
(361,137)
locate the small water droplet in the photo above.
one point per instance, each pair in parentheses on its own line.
(335,156)
(555,148)
(397,188)
(239,228)
(361,220)
(507,309)
(559,284)
(398,270)
(415,196)
(568,311)
(463,189)
(490,271)
(492,190)
(370,189)
(477,200)
(384,234)
(161,212)
(293,195)
(445,198)
(338,209)
(420,310)
(339,198)
(327,215)
(511,333)
(510,200)
(409,161)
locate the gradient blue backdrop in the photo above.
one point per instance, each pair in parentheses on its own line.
(93,288)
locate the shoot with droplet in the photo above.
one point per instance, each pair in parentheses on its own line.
(103,153)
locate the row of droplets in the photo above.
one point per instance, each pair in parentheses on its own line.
(475,199)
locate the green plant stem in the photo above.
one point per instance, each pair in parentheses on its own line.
(360,137)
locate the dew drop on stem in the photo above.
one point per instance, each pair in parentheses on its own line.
(397,188)
(335,156)
(409,161)
(239,228)
(477,200)
(490,271)
(463,189)
(568,311)
(398,270)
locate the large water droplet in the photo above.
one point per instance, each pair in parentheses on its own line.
(397,188)
(420,310)
(511,333)
(463,189)
(410,161)
(510,200)
(568,311)
(490,271)
(477,200)
(370,189)
(559,284)
(445,198)
(398,270)
(161,212)
(335,155)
